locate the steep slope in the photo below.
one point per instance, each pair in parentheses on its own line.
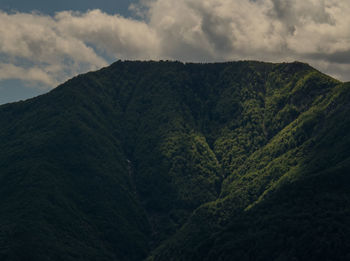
(197,160)
(288,201)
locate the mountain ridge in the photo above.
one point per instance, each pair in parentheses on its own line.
(143,152)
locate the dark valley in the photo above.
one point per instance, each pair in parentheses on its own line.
(173,161)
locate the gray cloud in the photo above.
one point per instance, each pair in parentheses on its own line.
(47,50)
(341,57)
(295,13)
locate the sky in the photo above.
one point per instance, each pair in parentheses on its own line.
(51,7)
(44,43)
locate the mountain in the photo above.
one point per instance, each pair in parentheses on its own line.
(174,161)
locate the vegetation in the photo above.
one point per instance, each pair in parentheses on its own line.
(173,161)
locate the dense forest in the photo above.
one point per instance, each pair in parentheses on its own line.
(179,161)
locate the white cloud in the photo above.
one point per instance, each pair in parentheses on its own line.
(39,48)
(315,31)
(31,75)
(115,35)
(32,48)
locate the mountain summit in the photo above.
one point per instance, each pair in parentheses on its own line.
(173,161)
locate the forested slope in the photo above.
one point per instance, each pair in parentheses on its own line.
(241,160)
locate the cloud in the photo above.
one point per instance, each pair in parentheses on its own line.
(47,50)
(33,49)
(31,75)
(69,43)
(315,31)
(117,36)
